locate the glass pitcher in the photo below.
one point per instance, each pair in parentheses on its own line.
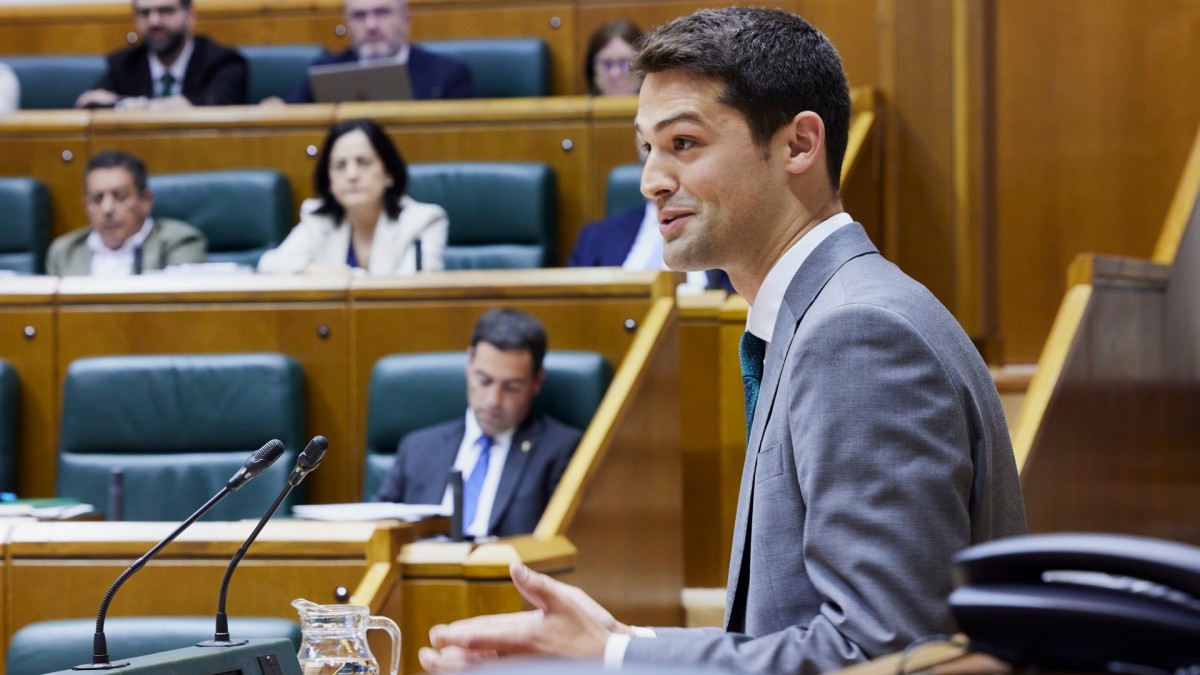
(334,639)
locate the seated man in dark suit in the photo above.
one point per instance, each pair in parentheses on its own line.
(511,457)
(379,30)
(171,68)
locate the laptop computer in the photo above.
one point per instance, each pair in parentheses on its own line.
(341,82)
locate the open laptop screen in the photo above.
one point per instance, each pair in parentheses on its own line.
(341,82)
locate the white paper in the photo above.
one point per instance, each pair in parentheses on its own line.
(369,511)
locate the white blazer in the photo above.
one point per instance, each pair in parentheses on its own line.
(315,239)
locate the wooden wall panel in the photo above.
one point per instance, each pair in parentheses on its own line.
(52,149)
(853,27)
(27,343)
(1092,132)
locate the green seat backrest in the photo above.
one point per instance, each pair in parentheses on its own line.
(501,67)
(502,214)
(54,80)
(24,225)
(411,391)
(242,212)
(179,426)
(8,426)
(624,189)
(274,70)
(49,646)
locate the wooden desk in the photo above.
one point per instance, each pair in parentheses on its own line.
(62,570)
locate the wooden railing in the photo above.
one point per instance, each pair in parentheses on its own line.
(1108,437)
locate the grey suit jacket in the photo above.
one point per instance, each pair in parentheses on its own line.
(878,449)
(540,451)
(171,242)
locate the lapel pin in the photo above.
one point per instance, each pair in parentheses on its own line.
(525,446)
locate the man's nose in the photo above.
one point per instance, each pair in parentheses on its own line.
(657,182)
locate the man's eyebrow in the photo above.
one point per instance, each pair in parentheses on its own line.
(668,121)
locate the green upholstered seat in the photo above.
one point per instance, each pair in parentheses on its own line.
(501,67)
(54,80)
(179,426)
(8,426)
(49,646)
(502,214)
(411,391)
(243,212)
(623,192)
(274,70)
(24,225)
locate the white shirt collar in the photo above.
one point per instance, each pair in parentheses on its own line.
(107,262)
(177,69)
(760,320)
(400,57)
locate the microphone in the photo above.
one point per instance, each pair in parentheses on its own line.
(308,460)
(256,464)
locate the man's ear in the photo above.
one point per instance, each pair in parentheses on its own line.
(806,142)
(538,379)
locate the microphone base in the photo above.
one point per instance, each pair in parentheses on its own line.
(222,643)
(100,666)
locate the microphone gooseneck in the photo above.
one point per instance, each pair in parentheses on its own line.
(254,465)
(308,460)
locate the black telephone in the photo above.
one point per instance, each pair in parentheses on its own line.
(1081,602)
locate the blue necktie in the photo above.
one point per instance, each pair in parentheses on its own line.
(752,351)
(474,485)
(168,81)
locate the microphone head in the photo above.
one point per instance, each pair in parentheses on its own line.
(313,453)
(258,462)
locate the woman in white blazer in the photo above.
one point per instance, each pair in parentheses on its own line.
(363,222)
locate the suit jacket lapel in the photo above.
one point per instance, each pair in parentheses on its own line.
(849,241)
(524,444)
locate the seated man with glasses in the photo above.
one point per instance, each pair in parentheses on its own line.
(171,67)
(379,30)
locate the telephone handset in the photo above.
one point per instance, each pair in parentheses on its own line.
(1081,601)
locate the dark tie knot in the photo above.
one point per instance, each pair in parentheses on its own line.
(753,350)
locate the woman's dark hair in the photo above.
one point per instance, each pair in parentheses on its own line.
(393,164)
(620,28)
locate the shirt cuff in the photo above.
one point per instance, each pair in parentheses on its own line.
(614,649)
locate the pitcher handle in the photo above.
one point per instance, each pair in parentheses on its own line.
(384,623)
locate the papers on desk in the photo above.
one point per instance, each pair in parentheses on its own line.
(370,511)
(44,509)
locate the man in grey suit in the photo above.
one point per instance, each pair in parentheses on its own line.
(121,238)
(877,447)
(510,455)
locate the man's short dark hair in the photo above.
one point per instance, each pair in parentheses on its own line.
(509,330)
(773,65)
(186,4)
(115,159)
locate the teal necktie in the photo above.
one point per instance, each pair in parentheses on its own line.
(168,81)
(752,351)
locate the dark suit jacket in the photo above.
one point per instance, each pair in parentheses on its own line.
(432,76)
(215,75)
(877,451)
(606,243)
(541,448)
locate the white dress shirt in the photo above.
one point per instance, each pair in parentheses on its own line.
(760,321)
(468,455)
(119,263)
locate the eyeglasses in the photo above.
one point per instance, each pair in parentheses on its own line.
(609,64)
(380,13)
(165,12)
